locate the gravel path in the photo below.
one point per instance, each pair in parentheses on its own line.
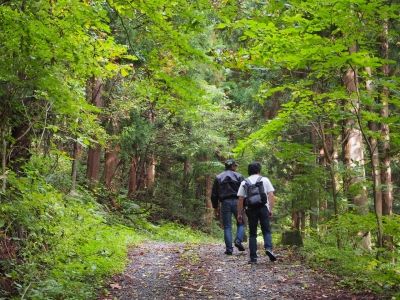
(201,271)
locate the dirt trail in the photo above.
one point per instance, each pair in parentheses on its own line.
(201,271)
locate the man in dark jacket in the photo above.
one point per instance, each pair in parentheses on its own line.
(225,188)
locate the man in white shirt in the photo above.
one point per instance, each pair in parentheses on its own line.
(262,214)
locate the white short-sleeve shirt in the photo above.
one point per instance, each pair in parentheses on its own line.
(253,178)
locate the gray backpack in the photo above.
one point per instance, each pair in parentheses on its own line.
(255,194)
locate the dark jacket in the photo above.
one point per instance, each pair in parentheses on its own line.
(226,185)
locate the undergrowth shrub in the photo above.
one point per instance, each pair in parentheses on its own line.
(64,245)
(170,204)
(361,269)
(146,217)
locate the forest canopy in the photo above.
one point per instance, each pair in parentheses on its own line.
(117,115)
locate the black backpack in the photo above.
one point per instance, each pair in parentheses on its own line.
(255,194)
(228,188)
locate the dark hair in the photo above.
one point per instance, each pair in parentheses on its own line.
(229,164)
(254,168)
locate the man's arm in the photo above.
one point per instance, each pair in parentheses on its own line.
(271,201)
(240,209)
(214,197)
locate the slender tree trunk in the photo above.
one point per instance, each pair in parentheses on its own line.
(72,191)
(151,161)
(141,174)
(323,202)
(387,200)
(207,201)
(372,144)
(20,149)
(303,221)
(3,157)
(295,218)
(329,153)
(386,173)
(314,196)
(93,92)
(132,186)
(151,170)
(186,177)
(199,188)
(185,184)
(374,152)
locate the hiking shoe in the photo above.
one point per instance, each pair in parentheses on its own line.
(270,254)
(252,261)
(228,252)
(239,246)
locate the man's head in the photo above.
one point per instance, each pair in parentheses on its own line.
(230,164)
(254,168)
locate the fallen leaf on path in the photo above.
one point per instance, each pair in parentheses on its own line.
(115,286)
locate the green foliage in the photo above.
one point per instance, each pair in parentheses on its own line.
(65,244)
(357,267)
(183,83)
(135,136)
(69,245)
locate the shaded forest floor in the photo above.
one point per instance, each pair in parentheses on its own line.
(159,270)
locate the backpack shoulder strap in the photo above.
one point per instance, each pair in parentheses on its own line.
(259,179)
(247,181)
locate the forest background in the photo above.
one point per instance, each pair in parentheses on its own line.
(116,116)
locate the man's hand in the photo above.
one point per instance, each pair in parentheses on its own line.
(271,214)
(240,219)
(216,211)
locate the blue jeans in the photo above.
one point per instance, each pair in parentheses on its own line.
(262,215)
(229,207)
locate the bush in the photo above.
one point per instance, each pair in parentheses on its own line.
(64,246)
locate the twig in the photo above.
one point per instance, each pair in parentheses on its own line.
(23,295)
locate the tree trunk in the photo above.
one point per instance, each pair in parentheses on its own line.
(353,155)
(314,207)
(186,178)
(386,173)
(93,93)
(303,221)
(110,166)
(207,199)
(295,219)
(141,174)
(20,149)
(374,153)
(387,197)
(330,156)
(151,170)
(93,165)
(3,157)
(132,185)
(72,191)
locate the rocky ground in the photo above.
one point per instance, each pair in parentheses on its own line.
(168,271)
